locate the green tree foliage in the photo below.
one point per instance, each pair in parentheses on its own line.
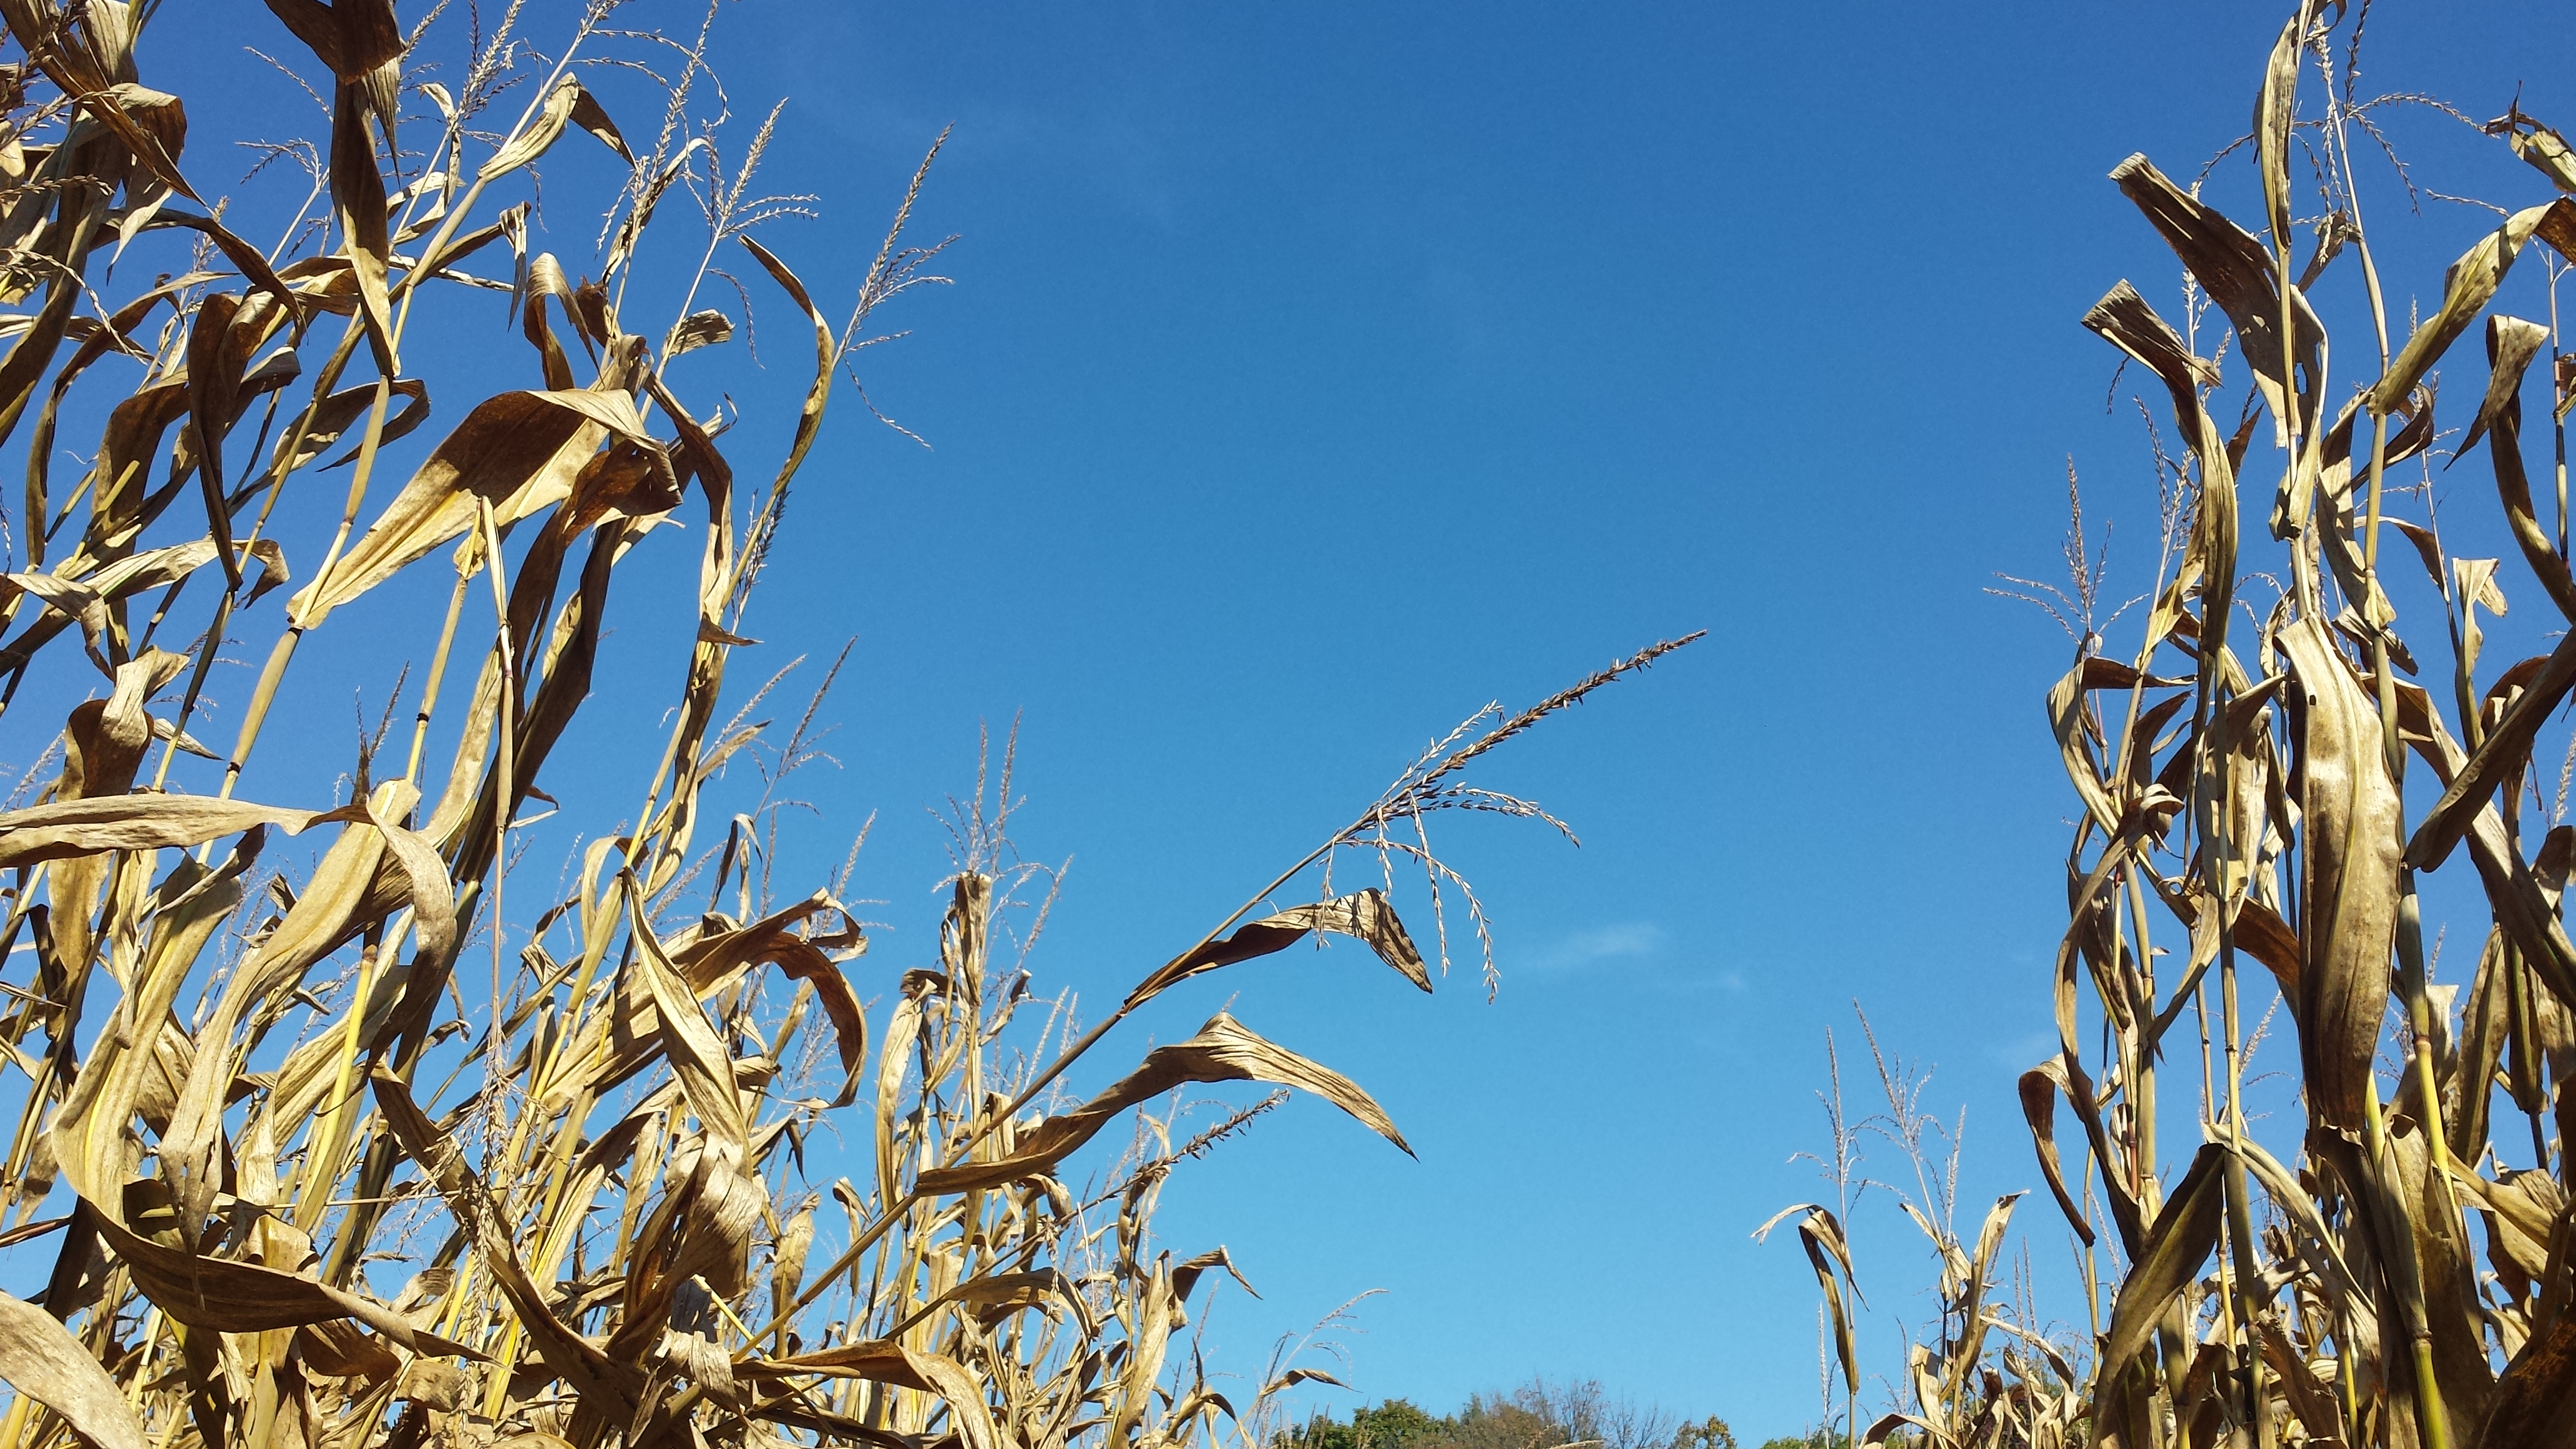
(1394,1424)
(1708,1433)
(1538,1414)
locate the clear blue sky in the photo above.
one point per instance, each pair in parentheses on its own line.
(1316,374)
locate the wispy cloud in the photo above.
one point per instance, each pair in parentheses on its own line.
(1584,950)
(2021,1052)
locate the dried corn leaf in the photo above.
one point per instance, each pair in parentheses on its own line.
(1968,1295)
(245,258)
(892,1363)
(217,354)
(40,1358)
(2274,107)
(2535,1399)
(2124,319)
(1362,915)
(2467,287)
(827,352)
(604,1383)
(112,336)
(2039,1088)
(2524,1208)
(2546,150)
(1223,1051)
(997,1295)
(94,1142)
(358,199)
(352,37)
(332,908)
(2185,1233)
(2502,754)
(617,1044)
(2239,276)
(1821,1234)
(2349,871)
(518,452)
(85,600)
(697,1056)
(568,103)
(590,116)
(68,828)
(2512,343)
(83,201)
(894,1058)
(331,418)
(341,1349)
(698,329)
(133,435)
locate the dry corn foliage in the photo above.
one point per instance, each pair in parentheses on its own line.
(2399,1268)
(303,1178)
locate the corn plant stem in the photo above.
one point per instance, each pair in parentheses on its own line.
(374,1171)
(2557,414)
(640,851)
(275,671)
(2412,981)
(2347,1376)
(578,1013)
(560,1156)
(2240,1219)
(151,1336)
(2235,1191)
(2145,1051)
(505,1357)
(324,1144)
(2521,1068)
(2432,1424)
(1046,1076)
(214,637)
(437,676)
(504,764)
(293,445)
(1091,1038)
(2092,1265)
(459,1298)
(41,1087)
(2209,1099)
(14,1032)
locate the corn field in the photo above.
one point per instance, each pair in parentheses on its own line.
(289,1166)
(2394,1262)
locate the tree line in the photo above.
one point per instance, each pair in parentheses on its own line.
(1538,1414)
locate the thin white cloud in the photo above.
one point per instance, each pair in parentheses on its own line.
(1602,945)
(2021,1053)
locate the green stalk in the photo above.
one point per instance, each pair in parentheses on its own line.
(2398,1249)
